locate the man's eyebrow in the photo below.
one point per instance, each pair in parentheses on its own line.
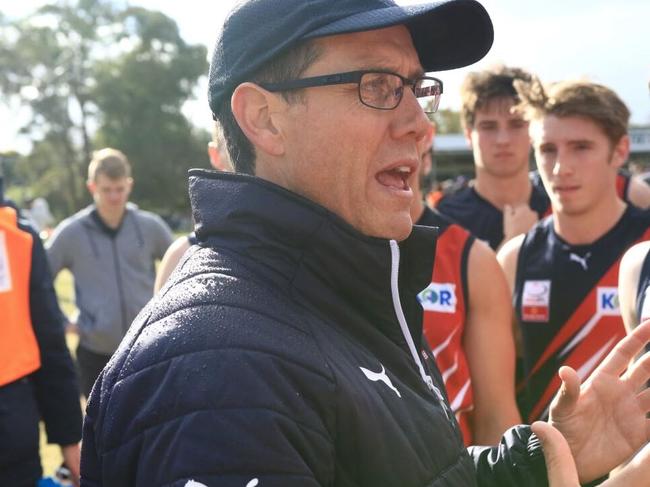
(378,66)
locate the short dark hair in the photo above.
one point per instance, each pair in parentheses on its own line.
(289,65)
(481,87)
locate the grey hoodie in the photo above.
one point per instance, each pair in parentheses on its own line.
(113,271)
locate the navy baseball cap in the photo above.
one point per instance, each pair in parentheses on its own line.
(447,35)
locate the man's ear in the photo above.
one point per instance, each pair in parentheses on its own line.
(254,108)
(91,186)
(621,151)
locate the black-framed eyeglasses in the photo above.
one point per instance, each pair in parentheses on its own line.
(382,90)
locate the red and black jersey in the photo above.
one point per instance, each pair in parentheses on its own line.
(643,291)
(445,309)
(566,304)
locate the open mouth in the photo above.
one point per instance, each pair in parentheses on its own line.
(396,177)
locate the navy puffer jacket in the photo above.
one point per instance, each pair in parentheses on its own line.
(284,351)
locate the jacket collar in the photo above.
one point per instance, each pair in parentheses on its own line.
(311,250)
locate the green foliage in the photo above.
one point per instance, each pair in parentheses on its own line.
(93,76)
(448,122)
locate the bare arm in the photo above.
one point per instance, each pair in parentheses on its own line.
(628,282)
(488,330)
(638,193)
(507,258)
(170,261)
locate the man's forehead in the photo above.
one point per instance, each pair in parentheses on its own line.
(502,106)
(388,48)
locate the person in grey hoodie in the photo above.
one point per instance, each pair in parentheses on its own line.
(110,247)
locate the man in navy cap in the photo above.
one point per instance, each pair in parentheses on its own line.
(286,350)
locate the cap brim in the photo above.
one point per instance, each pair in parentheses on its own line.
(446,35)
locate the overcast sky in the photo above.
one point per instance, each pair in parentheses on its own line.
(602,40)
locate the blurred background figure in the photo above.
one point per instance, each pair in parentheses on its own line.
(110,248)
(40,216)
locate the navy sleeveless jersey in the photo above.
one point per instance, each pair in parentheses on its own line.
(566,304)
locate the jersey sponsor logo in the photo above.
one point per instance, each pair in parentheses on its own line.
(380,376)
(440,297)
(608,301)
(5,269)
(535,301)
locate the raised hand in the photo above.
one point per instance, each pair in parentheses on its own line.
(517,220)
(604,420)
(561,469)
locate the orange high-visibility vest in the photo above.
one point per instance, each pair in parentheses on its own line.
(19,353)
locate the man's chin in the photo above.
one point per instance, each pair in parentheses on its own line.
(398,229)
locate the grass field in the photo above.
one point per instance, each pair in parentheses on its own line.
(51,454)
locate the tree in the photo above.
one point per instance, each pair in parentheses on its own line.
(448,122)
(140,96)
(94,75)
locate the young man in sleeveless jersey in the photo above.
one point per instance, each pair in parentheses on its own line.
(466,318)
(564,271)
(504,200)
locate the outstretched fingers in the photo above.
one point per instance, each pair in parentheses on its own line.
(560,467)
(639,372)
(567,397)
(619,358)
(644,400)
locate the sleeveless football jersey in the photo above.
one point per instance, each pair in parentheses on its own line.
(643,291)
(482,218)
(444,302)
(566,304)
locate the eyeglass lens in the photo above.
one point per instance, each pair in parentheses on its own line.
(385,90)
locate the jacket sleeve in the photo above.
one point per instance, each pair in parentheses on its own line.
(222,417)
(517,460)
(57,250)
(56,384)
(163,237)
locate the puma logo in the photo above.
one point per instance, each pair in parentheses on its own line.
(380,376)
(580,260)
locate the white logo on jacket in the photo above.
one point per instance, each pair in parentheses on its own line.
(380,376)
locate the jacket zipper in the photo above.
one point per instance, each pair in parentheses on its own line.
(399,312)
(118,278)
